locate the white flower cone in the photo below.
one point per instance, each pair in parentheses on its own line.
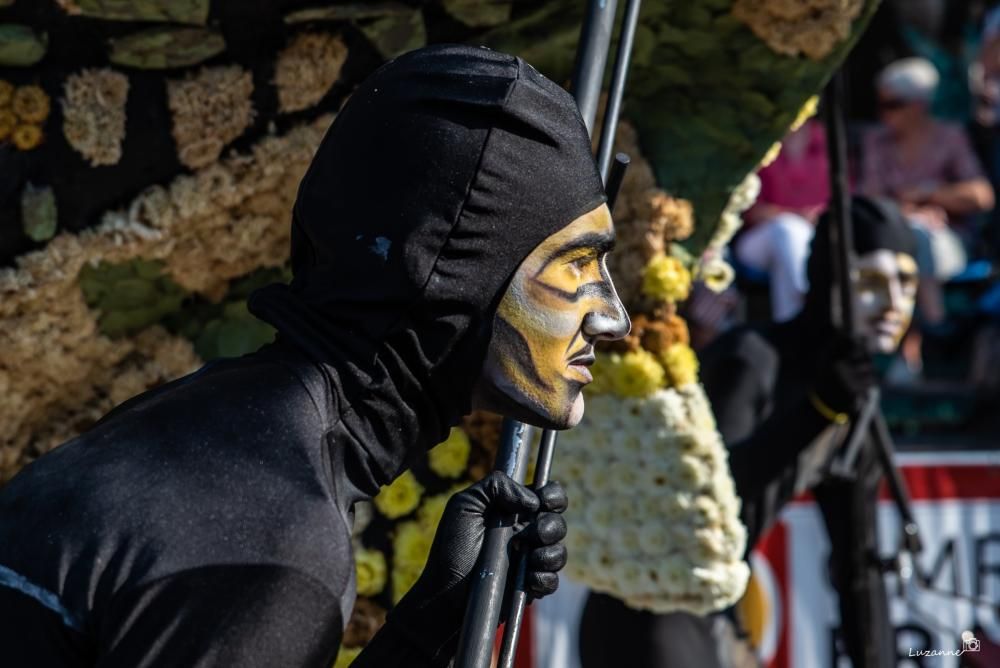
(654,519)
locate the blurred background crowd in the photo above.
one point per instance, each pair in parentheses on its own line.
(924,131)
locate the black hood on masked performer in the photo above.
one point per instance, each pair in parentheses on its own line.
(441,174)
(876,224)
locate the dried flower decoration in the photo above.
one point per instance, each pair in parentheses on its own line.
(176,11)
(306,70)
(166,47)
(94,114)
(23,110)
(20,46)
(210,109)
(27,137)
(59,373)
(31,104)
(792,27)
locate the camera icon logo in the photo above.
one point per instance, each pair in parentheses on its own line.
(970,644)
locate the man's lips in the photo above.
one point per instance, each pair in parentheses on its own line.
(579,364)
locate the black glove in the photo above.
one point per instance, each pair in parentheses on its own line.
(430,615)
(845,374)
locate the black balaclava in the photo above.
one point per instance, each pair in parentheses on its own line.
(877,224)
(442,173)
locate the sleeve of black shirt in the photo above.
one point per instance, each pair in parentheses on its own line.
(250,616)
(740,374)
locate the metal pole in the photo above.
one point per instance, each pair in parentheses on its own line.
(489,579)
(592,57)
(841,232)
(617,90)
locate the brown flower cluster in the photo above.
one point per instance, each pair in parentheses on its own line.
(117,371)
(647,220)
(58,372)
(792,27)
(94,114)
(210,109)
(654,332)
(306,70)
(366,619)
(23,111)
(484,430)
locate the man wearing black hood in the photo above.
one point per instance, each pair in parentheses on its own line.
(781,396)
(448,248)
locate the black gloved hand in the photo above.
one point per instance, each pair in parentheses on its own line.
(845,374)
(430,615)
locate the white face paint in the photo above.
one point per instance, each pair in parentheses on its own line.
(886,292)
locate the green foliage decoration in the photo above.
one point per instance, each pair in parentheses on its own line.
(38,212)
(349,11)
(129,296)
(177,11)
(396,33)
(479,13)
(21,46)
(227,329)
(164,48)
(708,96)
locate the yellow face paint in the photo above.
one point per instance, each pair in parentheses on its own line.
(559,303)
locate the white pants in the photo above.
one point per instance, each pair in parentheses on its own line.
(780,247)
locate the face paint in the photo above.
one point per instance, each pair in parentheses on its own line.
(560,302)
(886,290)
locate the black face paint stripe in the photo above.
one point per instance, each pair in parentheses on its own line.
(599,289)
(514,345)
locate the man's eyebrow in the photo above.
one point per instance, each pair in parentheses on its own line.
(602,242)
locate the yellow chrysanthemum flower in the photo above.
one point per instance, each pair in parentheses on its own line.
(8,121)
(807,111)
(400,497)
(429,514)
(638,375)
(681,364)
(27,137)
(403,578)
(412,544)
(31,104)
(771,155)
(6,92)
(371,571)
(666,278)
(449,458)
(346,656)
(603,370)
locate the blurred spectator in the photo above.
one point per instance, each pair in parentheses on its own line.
(951,44)
(795,189)
(930,169)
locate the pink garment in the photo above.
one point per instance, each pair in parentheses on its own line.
(802,182)
(946,158)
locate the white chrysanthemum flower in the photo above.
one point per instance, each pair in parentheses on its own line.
(673,572)
(705,511)
(628,538)
(600,514)
(597,479)
(655,540)
(654,497)
(691,472)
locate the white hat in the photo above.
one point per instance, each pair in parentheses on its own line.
(909,79)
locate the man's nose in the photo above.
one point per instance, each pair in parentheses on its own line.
(607,320)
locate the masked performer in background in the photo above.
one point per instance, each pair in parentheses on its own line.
(448,248)
(778,394)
